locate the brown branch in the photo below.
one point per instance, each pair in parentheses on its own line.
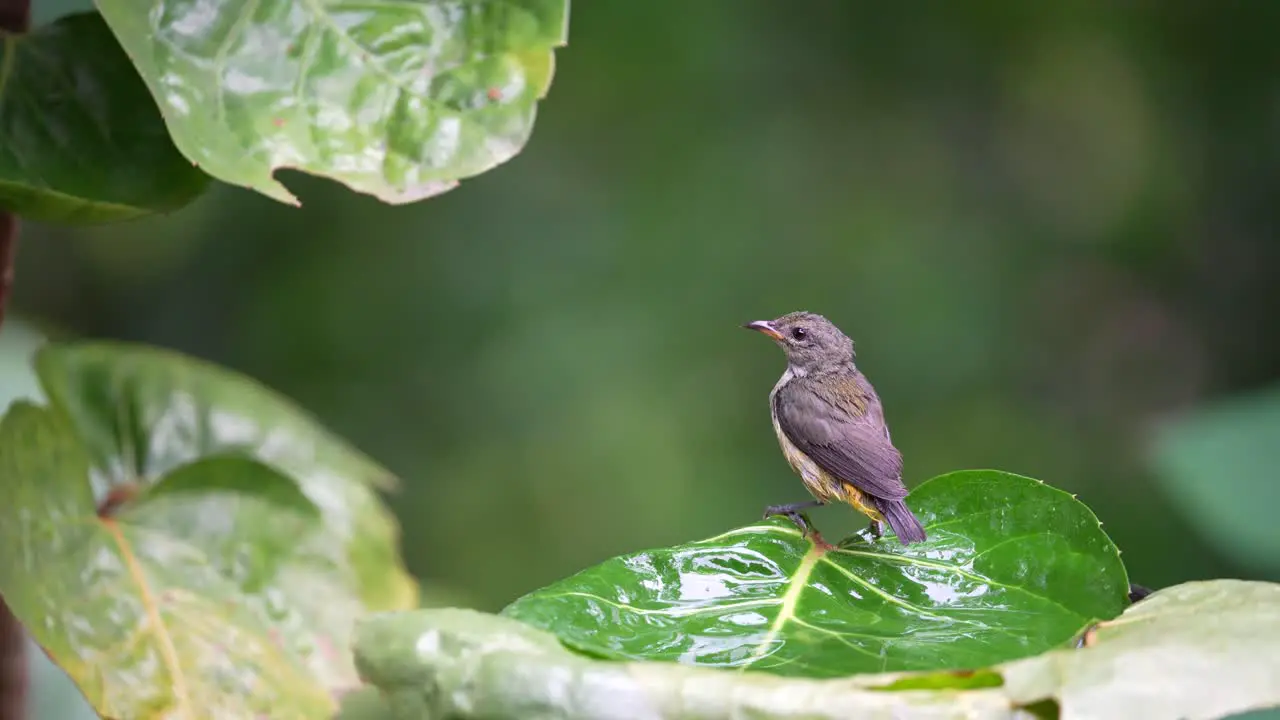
(13,660)
(8,251)
(13,667)
(15,17)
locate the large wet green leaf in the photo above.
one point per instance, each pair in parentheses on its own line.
(143,412)
(1219,466)
(1012,567)
(275,523)
(398,98)
(53,695)
(81,140)
(1191,652)
(192,604)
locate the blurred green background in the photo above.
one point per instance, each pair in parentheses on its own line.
(1050,228)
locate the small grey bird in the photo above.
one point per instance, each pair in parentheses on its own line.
(832,429)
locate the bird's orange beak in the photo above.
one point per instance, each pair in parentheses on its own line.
(764,327)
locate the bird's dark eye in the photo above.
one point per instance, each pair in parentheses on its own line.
(799,333)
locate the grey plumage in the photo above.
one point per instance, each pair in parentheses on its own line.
(828,418)
(831,425)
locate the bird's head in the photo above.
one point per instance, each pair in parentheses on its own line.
(810,341)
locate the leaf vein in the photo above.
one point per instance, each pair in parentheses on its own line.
(671,612)
(167,650)
(220,56)
(749,530)
(795,587)
(936,565)
(911,607)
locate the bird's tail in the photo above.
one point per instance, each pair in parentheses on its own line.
(900,518)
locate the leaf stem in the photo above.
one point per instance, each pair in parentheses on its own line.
(15,17)
(13,667)
(8,250)
(13,663)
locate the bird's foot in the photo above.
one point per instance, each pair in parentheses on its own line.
(802,521)
(791,510)
(876,530)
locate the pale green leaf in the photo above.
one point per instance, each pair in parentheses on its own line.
(142,618)
(1218,464)
(142,412)
(396,98)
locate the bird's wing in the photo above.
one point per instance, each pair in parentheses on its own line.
(853,448)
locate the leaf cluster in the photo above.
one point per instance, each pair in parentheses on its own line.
(133,108)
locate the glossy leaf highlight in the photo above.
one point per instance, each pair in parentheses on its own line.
(141,618)
(1193,652)
(245,543)
(142,412)
(81,140)
(1012,567)
(398,99)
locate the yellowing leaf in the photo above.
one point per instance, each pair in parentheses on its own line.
(186,543)
(143,620)
(142,412)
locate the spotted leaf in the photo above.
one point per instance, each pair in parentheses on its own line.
(397,98)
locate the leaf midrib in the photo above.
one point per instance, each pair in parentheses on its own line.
(790,599)
(904,560)
(168,652)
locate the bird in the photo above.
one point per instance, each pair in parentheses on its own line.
(832,430)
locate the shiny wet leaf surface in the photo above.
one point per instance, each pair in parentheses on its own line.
(1197,651)
(399,99)
(241,546)
(1012,568)
(143,412)
(81,140)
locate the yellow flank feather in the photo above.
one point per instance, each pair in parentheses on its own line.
(821,484)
